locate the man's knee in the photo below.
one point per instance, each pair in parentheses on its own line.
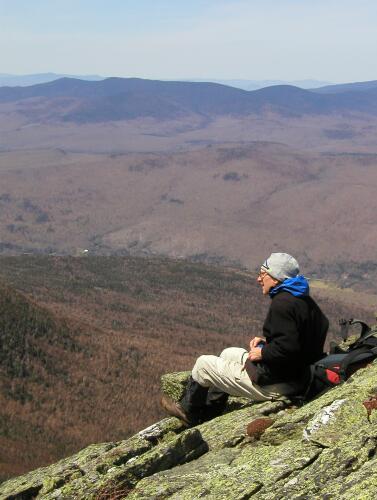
(204,365)
(227,353)
(236,354)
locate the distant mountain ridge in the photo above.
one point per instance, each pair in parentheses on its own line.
(7,80)
(347,87)
(116,99)
(260,84)
(32,79)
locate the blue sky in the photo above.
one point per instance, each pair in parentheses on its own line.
(333,40)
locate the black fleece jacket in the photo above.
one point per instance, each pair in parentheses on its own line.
(295,329)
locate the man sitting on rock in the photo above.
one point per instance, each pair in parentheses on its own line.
(277,364)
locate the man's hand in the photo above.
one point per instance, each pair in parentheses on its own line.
(255,354)
(255,341)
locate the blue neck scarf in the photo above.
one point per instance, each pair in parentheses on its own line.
(298,286)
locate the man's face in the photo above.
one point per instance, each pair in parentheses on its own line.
(266,281)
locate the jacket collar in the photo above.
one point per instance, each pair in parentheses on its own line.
(298,286)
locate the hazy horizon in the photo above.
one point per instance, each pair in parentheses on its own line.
(289,40)
(14,79)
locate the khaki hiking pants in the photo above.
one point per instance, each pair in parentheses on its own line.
(225,373)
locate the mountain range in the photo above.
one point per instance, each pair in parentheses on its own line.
(114,99)
(260,84)
(139,167)
(10,80)
(25,80)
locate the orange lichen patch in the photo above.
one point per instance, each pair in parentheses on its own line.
(370,404)
(257,427)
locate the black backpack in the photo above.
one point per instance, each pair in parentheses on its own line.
(341,363)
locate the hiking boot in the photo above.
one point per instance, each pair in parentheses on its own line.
(194,398)
(191,406)
(174,409)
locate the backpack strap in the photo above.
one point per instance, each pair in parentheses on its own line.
(364,327)
(369,338)
(352,356)
(345,324)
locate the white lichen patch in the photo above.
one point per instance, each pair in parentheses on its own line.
(323,418)
(276,462)
(152,432)
(291,482)
(112,469)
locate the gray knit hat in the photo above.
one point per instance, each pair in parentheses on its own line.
(281,266)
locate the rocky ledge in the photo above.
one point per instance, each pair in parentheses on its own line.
(325,449)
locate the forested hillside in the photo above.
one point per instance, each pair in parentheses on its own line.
(84,342)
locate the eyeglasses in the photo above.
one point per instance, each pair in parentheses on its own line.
(262,274)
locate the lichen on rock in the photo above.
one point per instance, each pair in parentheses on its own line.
(324,449)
